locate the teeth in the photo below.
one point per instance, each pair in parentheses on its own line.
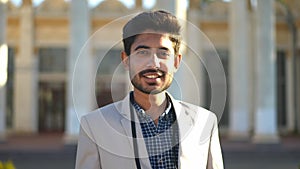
(152,76)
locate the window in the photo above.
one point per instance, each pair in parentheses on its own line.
(9,88)
(111,81)
(52,60)
(52,89)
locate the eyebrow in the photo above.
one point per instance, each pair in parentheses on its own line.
(164,48)
(147,47)
(141,47)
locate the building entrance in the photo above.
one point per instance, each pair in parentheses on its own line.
(51,106)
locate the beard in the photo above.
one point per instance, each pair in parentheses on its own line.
(154,87)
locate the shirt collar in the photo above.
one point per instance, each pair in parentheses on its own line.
(141,112)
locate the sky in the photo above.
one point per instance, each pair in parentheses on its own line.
(147,4)
(129,3)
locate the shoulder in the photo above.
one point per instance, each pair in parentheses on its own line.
(103,120)
(112,110)
(191,109)
(197,110)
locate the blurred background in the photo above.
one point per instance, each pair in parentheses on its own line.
(255,93)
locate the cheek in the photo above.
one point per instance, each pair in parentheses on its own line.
(169,66)
(135,67)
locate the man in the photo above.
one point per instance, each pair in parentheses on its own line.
(150,129)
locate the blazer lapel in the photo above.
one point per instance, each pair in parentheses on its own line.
(126,124)
(185,121)
(127,128)
(125,121)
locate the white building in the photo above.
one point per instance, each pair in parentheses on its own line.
(254,91)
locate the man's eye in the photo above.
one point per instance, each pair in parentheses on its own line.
(163,54)
(143,52)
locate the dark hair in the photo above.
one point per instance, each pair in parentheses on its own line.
(157,21)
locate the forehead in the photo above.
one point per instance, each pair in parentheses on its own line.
(153,40)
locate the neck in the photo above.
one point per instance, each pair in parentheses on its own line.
(151,103)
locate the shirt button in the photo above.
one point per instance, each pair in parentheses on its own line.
(160,161)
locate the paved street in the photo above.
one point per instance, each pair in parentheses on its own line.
(48,152)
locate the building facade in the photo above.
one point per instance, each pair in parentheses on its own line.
(254,93)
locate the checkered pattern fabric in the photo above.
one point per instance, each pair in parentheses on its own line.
(162,139)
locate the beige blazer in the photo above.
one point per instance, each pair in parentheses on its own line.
(105,139)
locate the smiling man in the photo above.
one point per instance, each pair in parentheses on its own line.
(150,129)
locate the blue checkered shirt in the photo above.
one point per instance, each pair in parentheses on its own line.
(162,139)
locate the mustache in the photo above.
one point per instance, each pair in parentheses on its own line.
(141,73)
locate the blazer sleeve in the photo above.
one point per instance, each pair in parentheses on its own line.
(215,159)
(87,150)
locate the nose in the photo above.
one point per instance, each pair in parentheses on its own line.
(153,61)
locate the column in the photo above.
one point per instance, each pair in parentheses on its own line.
(79,94)
(265,129)
(177,7)
(26,72)
(238,71)
(297,91)
(252,67)
(193,60)
(291,81)
(139,4)
(3,70)
(290,93)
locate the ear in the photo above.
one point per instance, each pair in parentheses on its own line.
(177,61)
(125,60)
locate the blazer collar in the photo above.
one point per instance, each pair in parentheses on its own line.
(126,109)
(184,118)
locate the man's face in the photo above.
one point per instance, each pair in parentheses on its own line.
(152,63)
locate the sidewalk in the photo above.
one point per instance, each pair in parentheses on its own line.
(43,151)
(54,142)
(37,142)
(287,143)
(48,151)
(247,155)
